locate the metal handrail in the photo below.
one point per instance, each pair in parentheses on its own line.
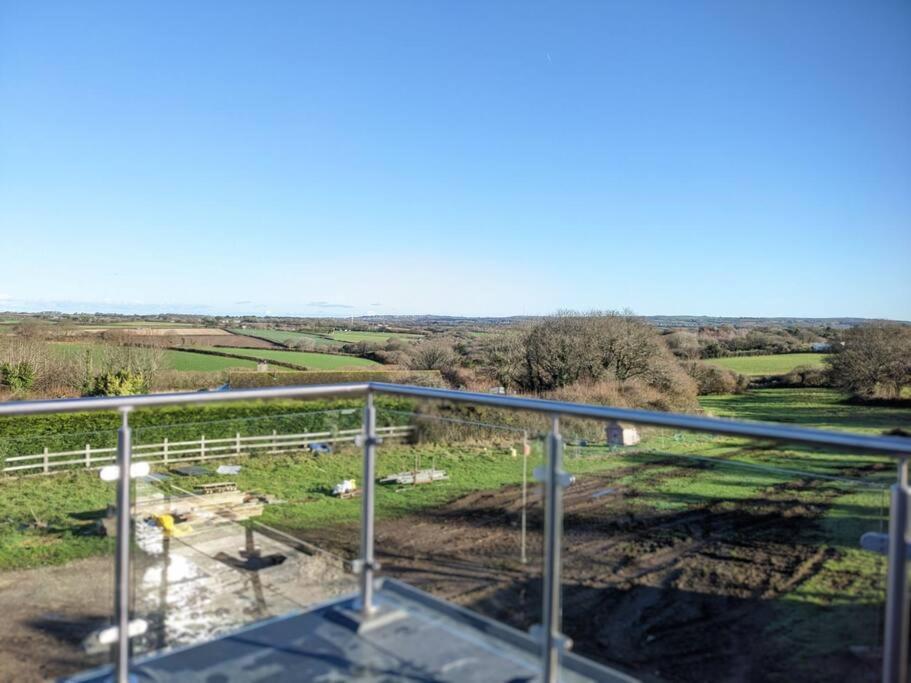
(553,643)
(80,405)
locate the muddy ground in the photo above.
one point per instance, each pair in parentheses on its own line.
(685,593)
(681,595)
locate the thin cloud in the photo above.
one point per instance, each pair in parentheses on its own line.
(326,304)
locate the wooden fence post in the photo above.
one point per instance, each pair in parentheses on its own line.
(48,466)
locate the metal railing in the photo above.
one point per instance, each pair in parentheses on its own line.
(553,642)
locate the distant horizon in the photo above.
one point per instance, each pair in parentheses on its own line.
(340,316)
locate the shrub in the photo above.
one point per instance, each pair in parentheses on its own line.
(683,343)
(433,354)
(17,376)
(805,376)
(240,379)
(711,379)
(634,393)
(120,383)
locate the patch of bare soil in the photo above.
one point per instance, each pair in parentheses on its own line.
(46,615)
(685,594)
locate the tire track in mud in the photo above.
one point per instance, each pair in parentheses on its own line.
(680,594)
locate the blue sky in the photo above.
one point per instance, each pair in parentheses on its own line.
(487,158)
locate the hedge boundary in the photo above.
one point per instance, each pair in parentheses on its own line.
(240,379)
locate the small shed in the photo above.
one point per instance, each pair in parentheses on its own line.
(262,366)
(620,435)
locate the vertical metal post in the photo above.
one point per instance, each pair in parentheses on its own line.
(88,456)
(122,566)
(165,448)
(525,449)
(553,537)
(202,447)
(47,466)
(367,511)
(895,649)
(237,443)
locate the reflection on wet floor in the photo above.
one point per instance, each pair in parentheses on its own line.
(221,576)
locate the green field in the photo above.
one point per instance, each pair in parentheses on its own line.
(202,362)
(287,337)
(822,408)
(314,361)
(768,365)
(173,360)
(327,338)
(378,337)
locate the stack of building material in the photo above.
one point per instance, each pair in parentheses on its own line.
(229,505)
(415,477)
(216,487)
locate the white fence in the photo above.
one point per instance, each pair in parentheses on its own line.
(168,452)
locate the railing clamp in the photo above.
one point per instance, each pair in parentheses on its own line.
(112,472)
(110,635)
(561,641)
(879,543)
(358,566)
(542,474)
(360,441)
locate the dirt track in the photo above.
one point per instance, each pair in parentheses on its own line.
(677,595)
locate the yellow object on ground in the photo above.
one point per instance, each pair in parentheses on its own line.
(166,522)
(170,528)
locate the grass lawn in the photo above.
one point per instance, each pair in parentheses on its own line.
(823,408)
(68,503)
(314,361)
(768,365)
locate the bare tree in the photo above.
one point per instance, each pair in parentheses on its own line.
(432,354)
(502,357)
(874,360)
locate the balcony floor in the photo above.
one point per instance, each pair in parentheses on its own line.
(432,641)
